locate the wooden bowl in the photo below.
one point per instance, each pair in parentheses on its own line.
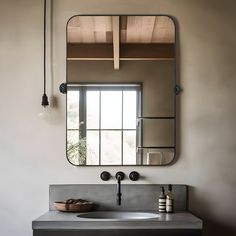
(77,207)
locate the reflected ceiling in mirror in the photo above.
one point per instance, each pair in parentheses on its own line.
(132,29)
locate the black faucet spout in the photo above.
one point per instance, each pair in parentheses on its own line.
(119,194)
(119,176)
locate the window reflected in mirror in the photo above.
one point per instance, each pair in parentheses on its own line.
(101,124)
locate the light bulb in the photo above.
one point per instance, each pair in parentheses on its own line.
(44,113)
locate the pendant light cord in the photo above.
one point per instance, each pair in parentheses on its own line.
(44,97)
(44,48)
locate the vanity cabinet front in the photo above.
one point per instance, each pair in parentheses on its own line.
(119,232)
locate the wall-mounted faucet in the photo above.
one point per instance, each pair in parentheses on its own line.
(105,176)
(119,176)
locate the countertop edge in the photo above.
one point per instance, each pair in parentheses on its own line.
(53,220)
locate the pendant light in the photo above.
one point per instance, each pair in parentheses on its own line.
(44,97)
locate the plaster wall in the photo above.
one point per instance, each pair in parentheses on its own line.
(32,149)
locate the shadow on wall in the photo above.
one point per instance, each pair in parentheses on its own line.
(216,229)
(200,208)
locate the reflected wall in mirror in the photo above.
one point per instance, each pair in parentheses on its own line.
(120,90)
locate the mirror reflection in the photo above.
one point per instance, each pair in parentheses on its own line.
(120,90)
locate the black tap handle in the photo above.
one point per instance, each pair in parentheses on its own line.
(134,176)
(105,176)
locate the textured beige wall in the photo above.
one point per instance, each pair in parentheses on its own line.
(32,149)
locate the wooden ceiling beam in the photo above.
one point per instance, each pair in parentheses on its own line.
(116,41)
(104,51)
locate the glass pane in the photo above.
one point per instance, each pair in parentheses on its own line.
(129,109)
(129,147)
(111,147)
(92,148)
(111,108)
(158,132)
(73,109)
(158,96)
(155,156)
(92,109)
(72,147)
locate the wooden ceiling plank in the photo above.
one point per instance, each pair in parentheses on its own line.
(100,28)
(170,33)
(133,29)
(147,28)
(74,35)
(116,41)
(87,29)
(74,22)
(73,30)
(164,31)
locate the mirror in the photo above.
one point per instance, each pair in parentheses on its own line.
(121,90)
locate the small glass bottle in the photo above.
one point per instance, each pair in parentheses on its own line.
(169,200)
(162,201)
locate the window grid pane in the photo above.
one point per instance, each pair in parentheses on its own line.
(73,109)
(92,110)
(92,147)
(129,150)
(110,147)
(111,109)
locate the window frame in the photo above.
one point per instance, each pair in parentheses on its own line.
(83,88)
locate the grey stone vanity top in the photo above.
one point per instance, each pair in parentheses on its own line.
(61,220)
(135,198)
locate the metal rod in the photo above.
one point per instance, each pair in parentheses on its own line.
(156,118)
(156,147)
(104,129)
(122,124)
(100,135)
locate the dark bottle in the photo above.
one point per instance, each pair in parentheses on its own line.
(169,200)
(162,201)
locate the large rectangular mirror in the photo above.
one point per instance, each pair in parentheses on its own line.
(121,90)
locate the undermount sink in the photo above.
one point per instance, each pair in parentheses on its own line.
(118,215)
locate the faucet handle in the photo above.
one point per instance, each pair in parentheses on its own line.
(120,174)
(105,176)
(134,175)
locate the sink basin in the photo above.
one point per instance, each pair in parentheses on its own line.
(118,215)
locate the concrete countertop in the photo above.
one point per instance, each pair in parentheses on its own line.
(60,220)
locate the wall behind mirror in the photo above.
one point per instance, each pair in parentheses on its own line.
(120,90)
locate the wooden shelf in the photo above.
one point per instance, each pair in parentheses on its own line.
(128,52)
(121,59)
